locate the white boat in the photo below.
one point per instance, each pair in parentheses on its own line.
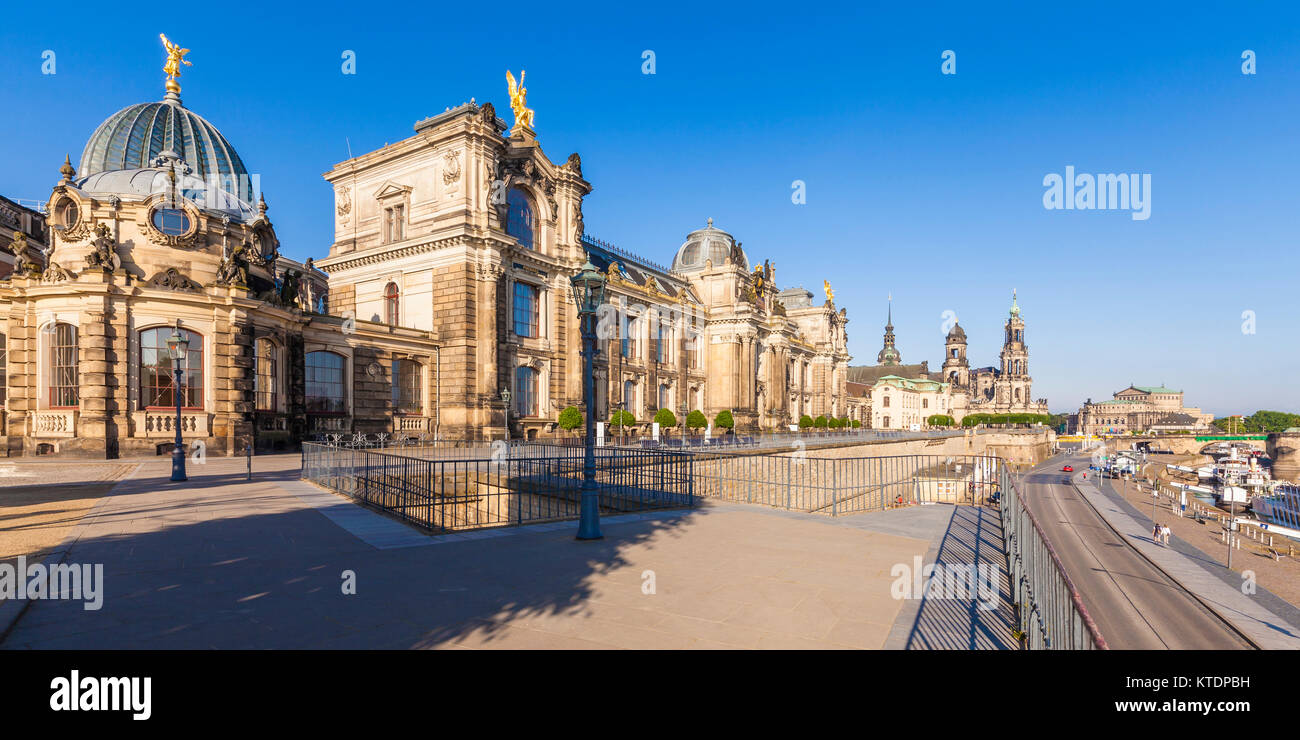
(1232,495)
(1280,505)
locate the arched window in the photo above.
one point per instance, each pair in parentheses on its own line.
(157,379)
(526,391)
(63,366)
(520,222)
(886,402)
(392,301)
(629,396)
(264,378)
(326,393)
(407,386)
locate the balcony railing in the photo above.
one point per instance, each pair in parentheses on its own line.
(161,423)
(56,423)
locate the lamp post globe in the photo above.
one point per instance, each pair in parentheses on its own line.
(588,296)
(178,349)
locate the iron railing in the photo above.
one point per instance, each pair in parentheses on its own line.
(447,495)
(798,482)
(1049,609)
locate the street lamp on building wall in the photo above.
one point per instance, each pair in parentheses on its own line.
(588,296)
(178,347)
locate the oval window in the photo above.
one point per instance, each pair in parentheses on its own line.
(171,221)
(68,214)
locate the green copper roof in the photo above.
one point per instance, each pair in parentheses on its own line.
(1155,389)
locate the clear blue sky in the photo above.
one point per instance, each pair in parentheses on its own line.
(920,184)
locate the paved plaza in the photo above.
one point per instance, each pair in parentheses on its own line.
(221,562)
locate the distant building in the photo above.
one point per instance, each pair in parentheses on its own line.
(1139,408)
(19,219)
(1002,389)
(901,403)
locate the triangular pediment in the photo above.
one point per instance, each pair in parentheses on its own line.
(391,189)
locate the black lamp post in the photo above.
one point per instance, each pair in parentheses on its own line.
(588,296)
(505,399)
(178,346)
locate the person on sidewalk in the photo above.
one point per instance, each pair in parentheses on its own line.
(1156,534)
(1165,531)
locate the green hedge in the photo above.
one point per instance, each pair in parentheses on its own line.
(976,419)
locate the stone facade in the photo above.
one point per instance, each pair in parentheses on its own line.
(142,249)
(472,232)
(1139,409)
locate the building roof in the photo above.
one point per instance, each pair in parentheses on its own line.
(135,136)
(708,243)
(915,384)
(869,374)
(1154,389)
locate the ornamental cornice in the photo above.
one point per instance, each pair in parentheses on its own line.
(372,258)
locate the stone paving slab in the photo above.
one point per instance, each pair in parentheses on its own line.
(221,562)
(1248,615)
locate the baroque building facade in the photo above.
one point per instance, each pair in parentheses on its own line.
(468,230)
(159,230)
(445,292)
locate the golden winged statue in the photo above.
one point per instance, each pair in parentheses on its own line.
(830,294)
(518,100)
(175,58)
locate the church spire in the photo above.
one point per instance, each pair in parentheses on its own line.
(889,354)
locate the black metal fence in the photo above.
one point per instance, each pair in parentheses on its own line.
(1050,611)
(454,494)
(800,482)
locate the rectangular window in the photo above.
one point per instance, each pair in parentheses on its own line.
(526,391)
(63,367)
(406,387)
(526,310)
(264,379)
(326,393)
(4,370)
(661,345)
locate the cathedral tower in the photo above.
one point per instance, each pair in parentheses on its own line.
(889,354)
(956,369)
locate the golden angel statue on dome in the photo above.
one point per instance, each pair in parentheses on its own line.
(518,100)
(830,294)
(175,58)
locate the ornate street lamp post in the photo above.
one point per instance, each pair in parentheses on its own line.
(505,398)
(178,347)
(588,296)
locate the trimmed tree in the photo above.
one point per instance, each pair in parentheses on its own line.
(724,420)
(940,420)
(570,418)
(622,419)
(665,418)
(805,422)
(857,424)
(696,420)
(820,422)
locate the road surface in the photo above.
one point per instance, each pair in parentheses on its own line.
(1135,606)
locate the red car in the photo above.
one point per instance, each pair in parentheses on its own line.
(1067,469)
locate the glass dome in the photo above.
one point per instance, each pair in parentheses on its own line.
(703,245)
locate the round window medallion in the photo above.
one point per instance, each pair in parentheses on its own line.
(373,369)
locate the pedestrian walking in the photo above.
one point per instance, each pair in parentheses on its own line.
(1156,534)
(1165,531)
